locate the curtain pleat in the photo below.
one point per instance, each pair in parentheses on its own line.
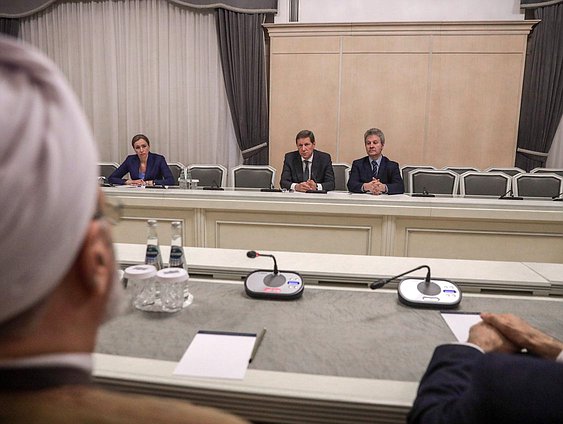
(242,49)
(10,26)
(542,93)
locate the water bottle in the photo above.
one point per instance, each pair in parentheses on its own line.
(183,179)
(189,178)
(152,255)
(177,257)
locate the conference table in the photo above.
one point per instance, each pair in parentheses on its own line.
(341,353)
(475,228)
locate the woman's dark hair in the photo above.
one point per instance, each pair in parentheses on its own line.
(140,137)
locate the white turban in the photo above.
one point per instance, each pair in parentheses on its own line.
(48,169)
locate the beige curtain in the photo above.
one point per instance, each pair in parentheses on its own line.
(144,66)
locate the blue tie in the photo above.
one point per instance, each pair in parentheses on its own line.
(374,169)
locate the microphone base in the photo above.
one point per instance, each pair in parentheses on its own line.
(264,284)
(558,199)
(214,188)
(511,198)
(439,294)
(422,195)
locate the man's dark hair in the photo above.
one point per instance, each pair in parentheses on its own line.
(305,134)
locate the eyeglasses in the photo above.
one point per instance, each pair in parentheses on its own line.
(111,210)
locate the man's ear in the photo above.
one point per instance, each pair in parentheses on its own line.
(95,262)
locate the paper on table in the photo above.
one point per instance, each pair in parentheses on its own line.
(460,323)
(217,354)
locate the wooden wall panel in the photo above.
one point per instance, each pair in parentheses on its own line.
(297,107)
(472,98)
(444,93)
(376,90)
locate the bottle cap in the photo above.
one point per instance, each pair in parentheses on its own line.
(172,275)
(140,272)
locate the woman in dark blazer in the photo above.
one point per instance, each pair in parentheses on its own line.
(144,168)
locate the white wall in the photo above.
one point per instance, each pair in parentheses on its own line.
(325,11)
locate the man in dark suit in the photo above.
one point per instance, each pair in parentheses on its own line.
(484,381)
(375,173)
(307,168)
(58,280)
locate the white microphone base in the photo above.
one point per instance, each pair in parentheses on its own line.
(285,285)
(439,294)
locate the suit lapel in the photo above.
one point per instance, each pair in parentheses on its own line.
(366,169)
(382,174)
(315,166)
(150,164)
(298,165)
(136,164)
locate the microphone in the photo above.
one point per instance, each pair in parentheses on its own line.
(254,254)
(423,293)
(424,193)
(558,198)
(264,284)
(383,281)
(509,195)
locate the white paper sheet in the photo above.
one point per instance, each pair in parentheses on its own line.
(460,323)
(217,355)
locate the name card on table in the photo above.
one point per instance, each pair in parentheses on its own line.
(460,323)
(217,354)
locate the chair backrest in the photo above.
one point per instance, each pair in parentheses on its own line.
(341,175)
(509,170)
(473,183)
(558,171)
(176,169)
(253,176)
(460,169)
(537,185)
(106,168)
(433,181)
(209,175)
(407,169)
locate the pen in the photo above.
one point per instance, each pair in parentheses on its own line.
(257,344)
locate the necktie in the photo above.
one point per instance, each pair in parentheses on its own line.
(374,169)
(306,171)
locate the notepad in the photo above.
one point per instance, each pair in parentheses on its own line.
(460,323)
(215,354)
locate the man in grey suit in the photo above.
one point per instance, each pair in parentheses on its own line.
(58,280)
(307,168)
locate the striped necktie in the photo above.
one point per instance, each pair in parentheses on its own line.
(374,169)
